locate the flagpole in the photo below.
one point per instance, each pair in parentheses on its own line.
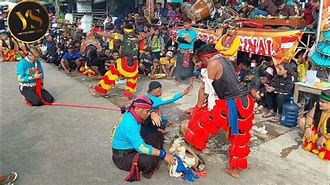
(319,22)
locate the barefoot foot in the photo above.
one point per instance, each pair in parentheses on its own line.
(232,172)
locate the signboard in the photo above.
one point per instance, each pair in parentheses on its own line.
(28,21)
(325,21)
(278,44)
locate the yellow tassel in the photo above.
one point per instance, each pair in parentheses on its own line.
(132,80)
(104,86)
(308,147)
(130,89)
(321,155)
(315,151)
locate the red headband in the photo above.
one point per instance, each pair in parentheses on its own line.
(143,102)
(207,55)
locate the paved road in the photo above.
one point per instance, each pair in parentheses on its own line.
(71,146)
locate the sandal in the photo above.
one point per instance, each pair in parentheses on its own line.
(10,178)
(276,119)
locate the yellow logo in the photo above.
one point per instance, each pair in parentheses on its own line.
(28,21)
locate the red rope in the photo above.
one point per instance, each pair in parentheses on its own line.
(81,106)
(38,90)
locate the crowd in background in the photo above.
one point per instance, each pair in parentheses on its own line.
(68,47)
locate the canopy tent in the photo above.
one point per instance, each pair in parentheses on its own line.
(321,56)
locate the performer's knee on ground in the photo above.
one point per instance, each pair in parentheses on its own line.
(36,102)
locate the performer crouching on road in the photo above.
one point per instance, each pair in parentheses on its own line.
(29,69)
(130,150)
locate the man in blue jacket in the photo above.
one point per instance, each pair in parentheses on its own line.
(129,148)
(28,70)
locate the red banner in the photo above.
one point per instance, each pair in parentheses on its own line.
(278,44)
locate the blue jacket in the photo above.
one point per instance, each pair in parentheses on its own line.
(26,71)
(157,101)
(126,135)
(193,36)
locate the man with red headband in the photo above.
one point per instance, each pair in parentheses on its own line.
(130,150)
(228,107)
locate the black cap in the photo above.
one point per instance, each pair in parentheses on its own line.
(70,47)
(154,85)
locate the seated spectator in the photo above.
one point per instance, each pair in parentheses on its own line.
(93,60)
(52,55)
(167,64)
(266,7)
(71,60)
(244,69)
(245,10)
(77,45)
(316,127)
(252,79)
(278,92)
(285,10)
(147,60)
(259,95)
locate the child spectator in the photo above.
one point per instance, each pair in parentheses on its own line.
(167,64)
(302,64)
(147,61)
(156,43)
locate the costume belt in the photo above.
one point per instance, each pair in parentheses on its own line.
(186,51)
(121,153)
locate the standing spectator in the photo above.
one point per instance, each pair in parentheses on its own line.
(171,14)
(156,43)
(143,43)
(184,64)
(71,60)
(302,64)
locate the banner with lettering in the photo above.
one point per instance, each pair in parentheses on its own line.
(325,22)
(278,44)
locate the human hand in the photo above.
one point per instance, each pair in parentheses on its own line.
(37,76)
(188,88)
(170,159)
(321,141)
(156,119)
(308,134)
